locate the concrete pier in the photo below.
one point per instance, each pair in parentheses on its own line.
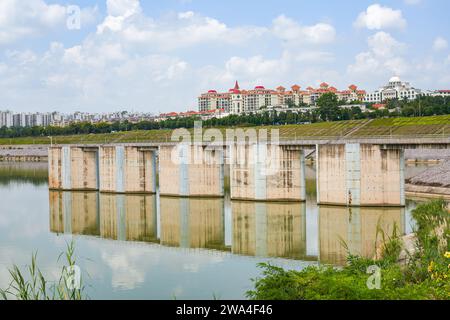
(360,175)
(73,168)
(127,170)
(267,173)
(191,171)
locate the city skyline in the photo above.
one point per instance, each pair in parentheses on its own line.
(157,57)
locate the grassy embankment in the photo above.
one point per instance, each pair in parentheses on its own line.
(425,274)
(435,125)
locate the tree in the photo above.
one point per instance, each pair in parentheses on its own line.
(328,107)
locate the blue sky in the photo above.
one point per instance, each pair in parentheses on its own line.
(157,56)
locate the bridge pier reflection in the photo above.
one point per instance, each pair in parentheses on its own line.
(269,229)
(116,217)
(192,223)
(356,230)
(247,228)
(74,213)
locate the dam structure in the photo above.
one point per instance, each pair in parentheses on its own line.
(350,172)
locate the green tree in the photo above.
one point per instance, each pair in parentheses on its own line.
(328,107)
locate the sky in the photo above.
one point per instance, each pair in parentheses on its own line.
(158,56)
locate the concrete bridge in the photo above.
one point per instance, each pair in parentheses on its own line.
(350,172)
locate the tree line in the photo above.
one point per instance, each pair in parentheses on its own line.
(329,108)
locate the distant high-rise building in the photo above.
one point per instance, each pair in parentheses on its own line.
(6,119)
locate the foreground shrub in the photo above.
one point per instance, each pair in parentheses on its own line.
(425,276)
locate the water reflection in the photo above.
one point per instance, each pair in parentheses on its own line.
(128,217)
(234,237)
(269,229)
(261,229)
(116,217)
(74,213)
(192,223)
(355,230)
(35,173)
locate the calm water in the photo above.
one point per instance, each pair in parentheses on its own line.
(150,247)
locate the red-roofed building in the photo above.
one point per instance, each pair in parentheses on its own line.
(238,101)
(379,106)
(439,93)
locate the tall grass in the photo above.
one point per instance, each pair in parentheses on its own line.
(30,284)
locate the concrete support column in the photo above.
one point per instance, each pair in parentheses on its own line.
(73,168)
(360,175)
(127,170)
(267,173)
(191,171)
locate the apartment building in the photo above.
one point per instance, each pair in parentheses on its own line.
(395,89)
(237,101)
(6,119)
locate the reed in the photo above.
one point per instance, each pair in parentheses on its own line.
(30,283)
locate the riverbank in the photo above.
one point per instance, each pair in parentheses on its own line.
(24,153)
(435,181)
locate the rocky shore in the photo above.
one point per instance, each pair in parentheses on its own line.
(24,153)
(435,180)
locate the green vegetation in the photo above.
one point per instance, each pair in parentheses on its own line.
(434,125)
(329,107)
(425,275)
(437,110)
(34,286)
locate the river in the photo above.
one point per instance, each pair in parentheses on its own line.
(150,247)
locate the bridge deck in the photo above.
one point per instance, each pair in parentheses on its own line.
(416,142)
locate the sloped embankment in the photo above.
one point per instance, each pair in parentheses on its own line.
(435,180)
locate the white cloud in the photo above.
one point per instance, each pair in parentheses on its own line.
(287,69)
(19,19)
(440,44)
(378,17)
(289,30)
(256,66)
(315,57)
(125,8)
(118,11)
(172,32)
(384,45)
(385,57)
